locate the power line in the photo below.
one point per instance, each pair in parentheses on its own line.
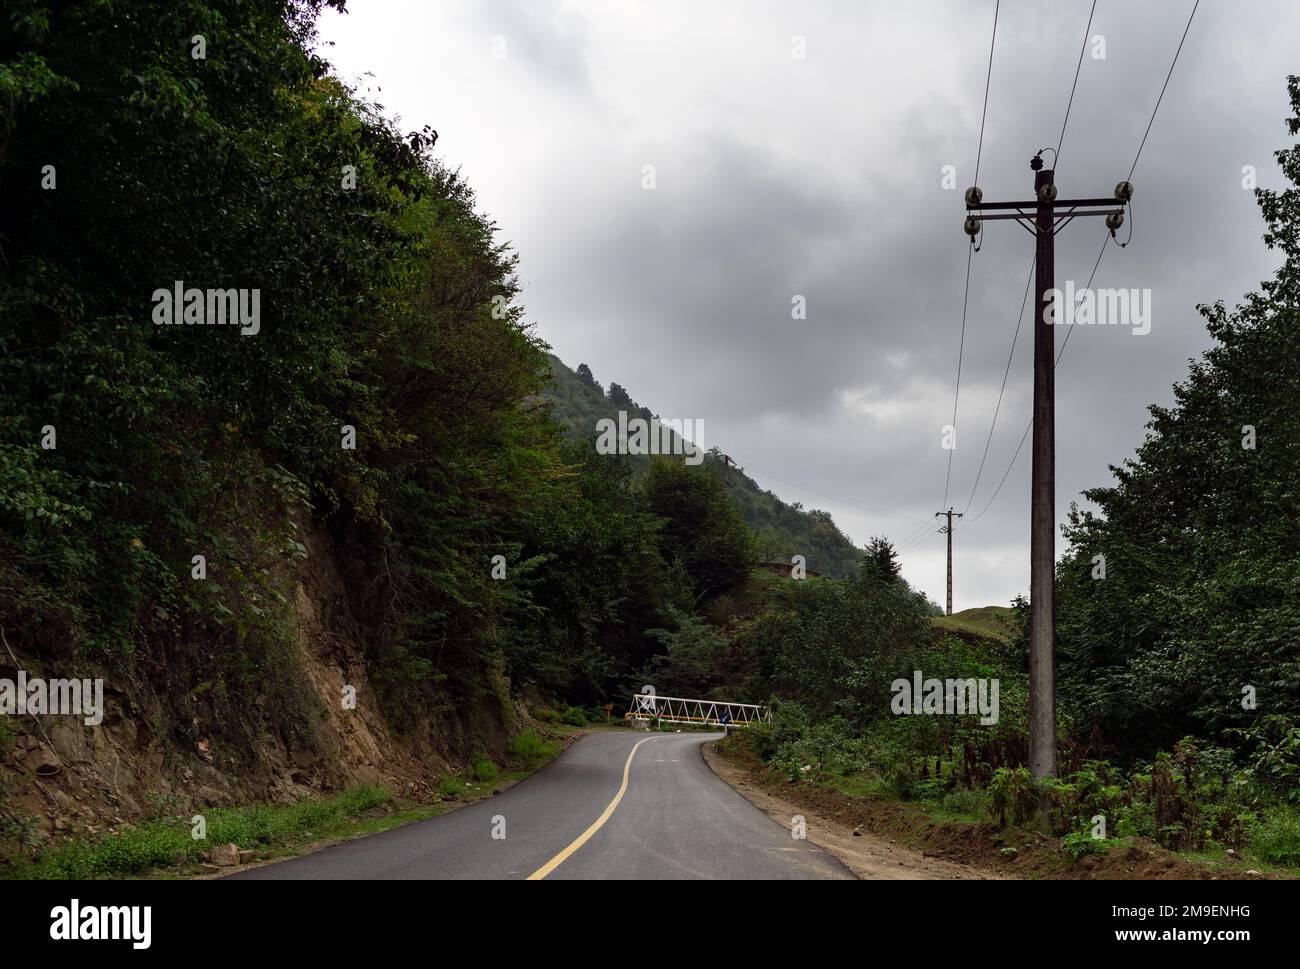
(1162,90)
(1105,240)
(961,347)
(976,517)
(1082,47)
(1132,169)
(965,299)
(1020,318)
(988,79)
(912,536)
(884,512)
(919,541)
(1066,342)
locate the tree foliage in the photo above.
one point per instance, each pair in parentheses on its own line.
(1199,607)
(388,309)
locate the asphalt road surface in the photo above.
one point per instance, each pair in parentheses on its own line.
(614,805)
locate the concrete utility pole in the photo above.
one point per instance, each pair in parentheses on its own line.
(1044,216)
(948,529)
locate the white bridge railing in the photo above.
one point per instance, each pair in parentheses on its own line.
(675,709)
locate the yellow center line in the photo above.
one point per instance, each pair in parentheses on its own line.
(583,838)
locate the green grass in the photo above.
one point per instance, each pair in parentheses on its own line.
(866,785)
(990,622)
(532,749)
(164,848)
(167,843)
(471,787)
(961,805)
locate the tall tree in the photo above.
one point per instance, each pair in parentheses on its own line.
(701,528)
(1180,597)
(881,559)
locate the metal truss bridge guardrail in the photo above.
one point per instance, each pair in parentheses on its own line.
(675,709)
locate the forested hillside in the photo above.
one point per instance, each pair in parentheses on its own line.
(360,491)
(781,530)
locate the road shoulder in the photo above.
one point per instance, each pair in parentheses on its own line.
(866,855)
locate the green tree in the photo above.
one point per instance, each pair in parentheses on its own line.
(701,528)
(881,559)
(1181,595)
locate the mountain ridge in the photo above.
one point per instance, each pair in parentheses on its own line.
(783,529)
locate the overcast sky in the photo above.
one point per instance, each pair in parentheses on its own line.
(822,177)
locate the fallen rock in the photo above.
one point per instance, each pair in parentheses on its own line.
(246,856)
(224,856)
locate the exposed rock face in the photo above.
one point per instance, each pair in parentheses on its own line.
(161,751)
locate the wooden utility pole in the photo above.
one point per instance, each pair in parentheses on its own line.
(948,528)
(1044,216)
(1042,513)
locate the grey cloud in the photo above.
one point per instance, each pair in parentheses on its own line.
(823,179)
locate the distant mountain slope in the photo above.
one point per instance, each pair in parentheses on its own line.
(579,402)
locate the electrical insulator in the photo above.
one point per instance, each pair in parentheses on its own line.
(1114,221)
(1047,193)
(1124,191)
(972,226)
(974,196)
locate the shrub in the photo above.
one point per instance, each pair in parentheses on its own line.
(482,768)
(761,739)
(1012,797)
(825,748)
(530,748)
(1277,839)
(1080,843)
(448,787)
